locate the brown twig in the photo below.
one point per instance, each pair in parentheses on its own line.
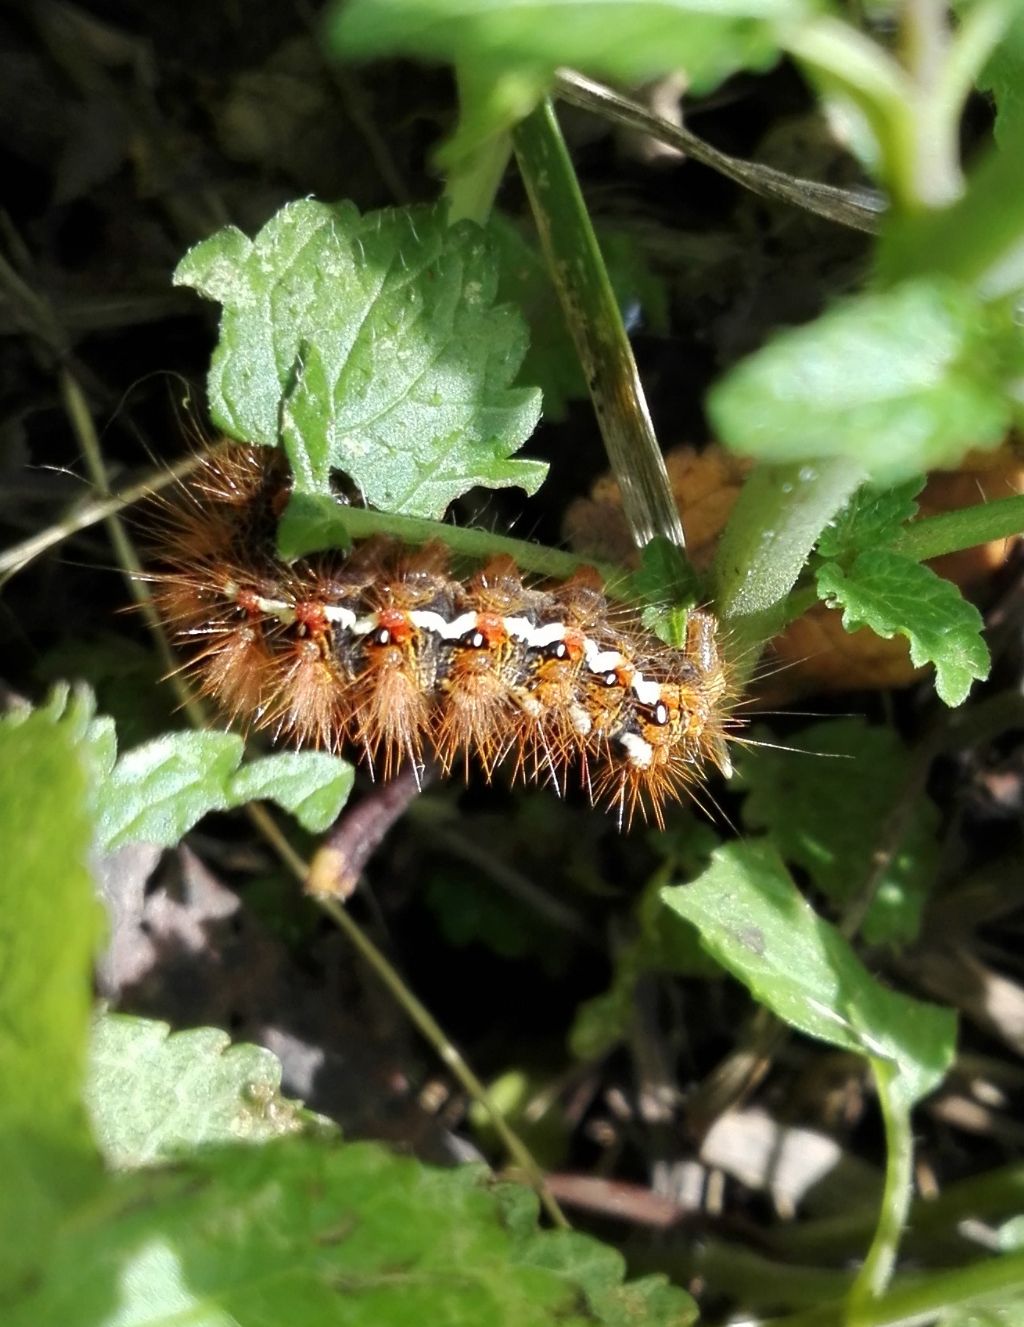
(339,861)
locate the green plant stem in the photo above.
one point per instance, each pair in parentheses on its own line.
(875,82)
(914,109)
(780,513)
(976,241)
(980,29)
(919,1301)
(592,313)
(936,178)
(877,1268)
(417,1013)
(932,1223)
(434,1034)
(932,536)
(752,1279)
(471,191)
(473,181)
(337,525)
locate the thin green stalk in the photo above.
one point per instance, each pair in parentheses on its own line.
(318,523)
(842,57)
(936,178)
(877,1268)
(473,179)
(979,31)
(434,1034)
(932,1225)
(416,1012)
(932,536)
(917,1302)
(81,419)
(753,1279)
(471,190)
(592,313)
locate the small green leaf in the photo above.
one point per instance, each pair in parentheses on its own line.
(312,785)
(873,516)
(158,791)
(668,583)
(153,1096)
(50,930)
(373,345)
(302,1231)
(754,921)
(891,593)
(903,381)
(827,809)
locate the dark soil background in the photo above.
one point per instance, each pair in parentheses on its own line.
(129,131)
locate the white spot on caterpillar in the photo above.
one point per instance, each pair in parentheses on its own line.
(549,634)
(581,721)
(423,619)
(601,661)
(647,692)
(519,628)
(279,608)
(464,623)
(639,752)
(341,617)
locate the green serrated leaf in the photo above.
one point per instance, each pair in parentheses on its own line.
(157,792)
(755,922)
(153,1096)
(827,808)
(373,345)
(312,785)
(872,517)
(902,381)
(301,1232)
(50,929)
(891,593)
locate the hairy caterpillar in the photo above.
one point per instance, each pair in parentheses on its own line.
(383,649)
